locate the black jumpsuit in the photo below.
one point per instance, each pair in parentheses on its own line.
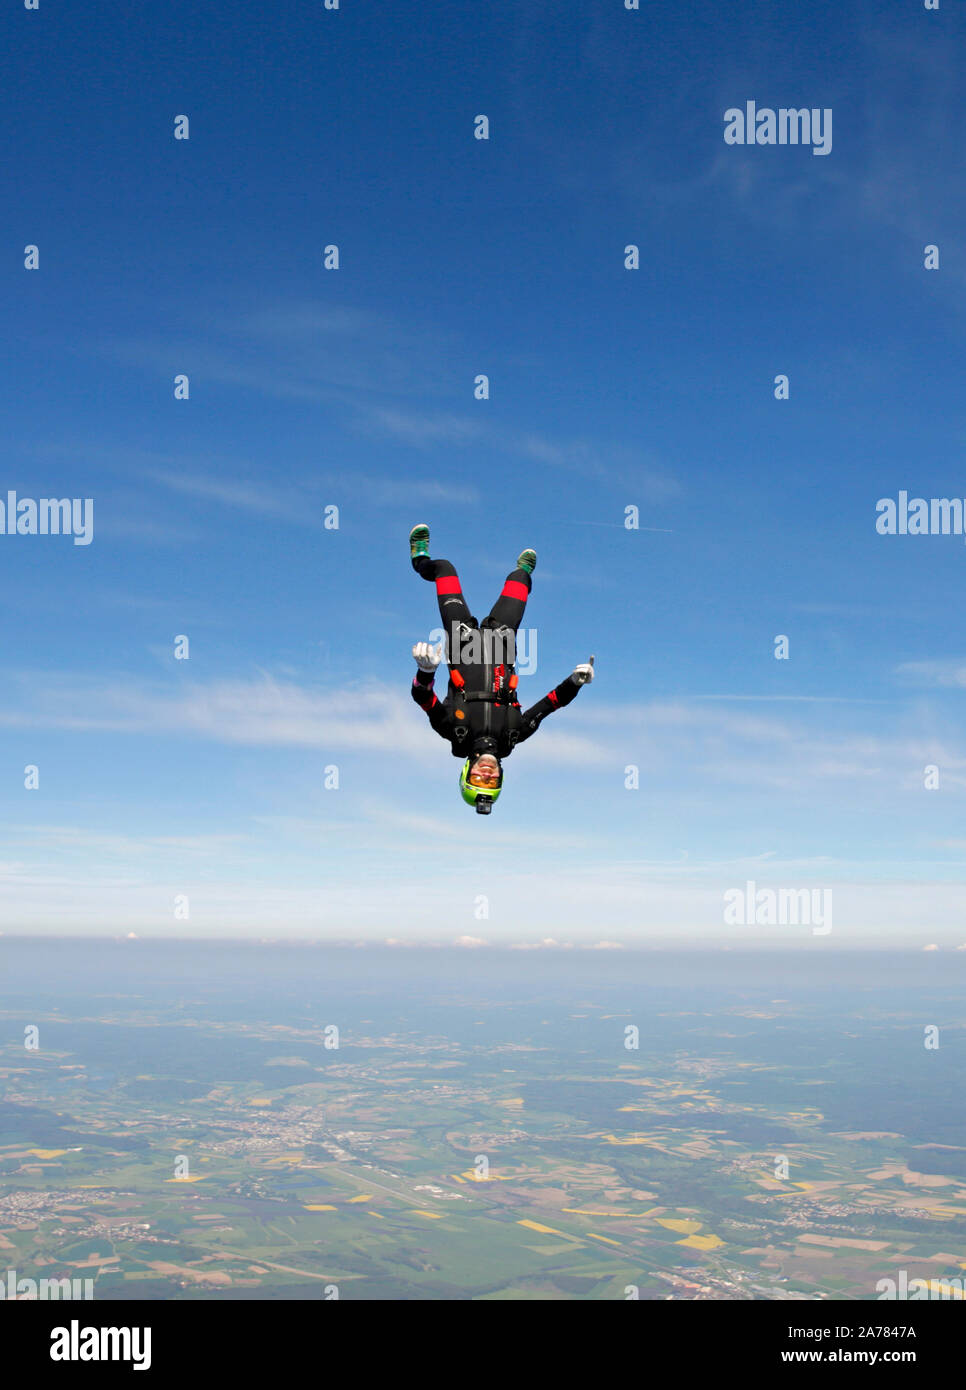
(481,713)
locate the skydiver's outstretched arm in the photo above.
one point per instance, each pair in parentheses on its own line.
(561,695)
(427,659)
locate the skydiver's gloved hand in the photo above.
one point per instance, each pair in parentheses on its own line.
(427,656)
(583,674)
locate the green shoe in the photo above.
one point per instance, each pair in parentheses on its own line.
(527,560)
(419,542)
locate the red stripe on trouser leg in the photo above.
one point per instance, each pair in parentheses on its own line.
(448,584)
(552,697)
(514,589)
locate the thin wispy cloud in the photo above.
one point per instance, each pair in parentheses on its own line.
(354,357)
(946,674)
(662,737)
(259,499)
(261,712)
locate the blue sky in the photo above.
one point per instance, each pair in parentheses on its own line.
(354,387)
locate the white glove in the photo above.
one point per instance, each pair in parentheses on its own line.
(427,656)
(583,674)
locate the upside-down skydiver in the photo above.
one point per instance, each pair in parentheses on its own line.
(480,715)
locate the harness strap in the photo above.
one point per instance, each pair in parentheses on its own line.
(490,697)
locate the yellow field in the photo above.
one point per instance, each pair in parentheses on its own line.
(708,1242)
(617,1215)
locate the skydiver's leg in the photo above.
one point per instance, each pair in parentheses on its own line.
(510,607)
(453,608)
(507,614)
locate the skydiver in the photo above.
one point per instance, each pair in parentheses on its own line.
(480,715)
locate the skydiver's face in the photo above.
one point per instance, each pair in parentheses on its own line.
(485,772)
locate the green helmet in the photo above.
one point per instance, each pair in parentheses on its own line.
(480,797)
